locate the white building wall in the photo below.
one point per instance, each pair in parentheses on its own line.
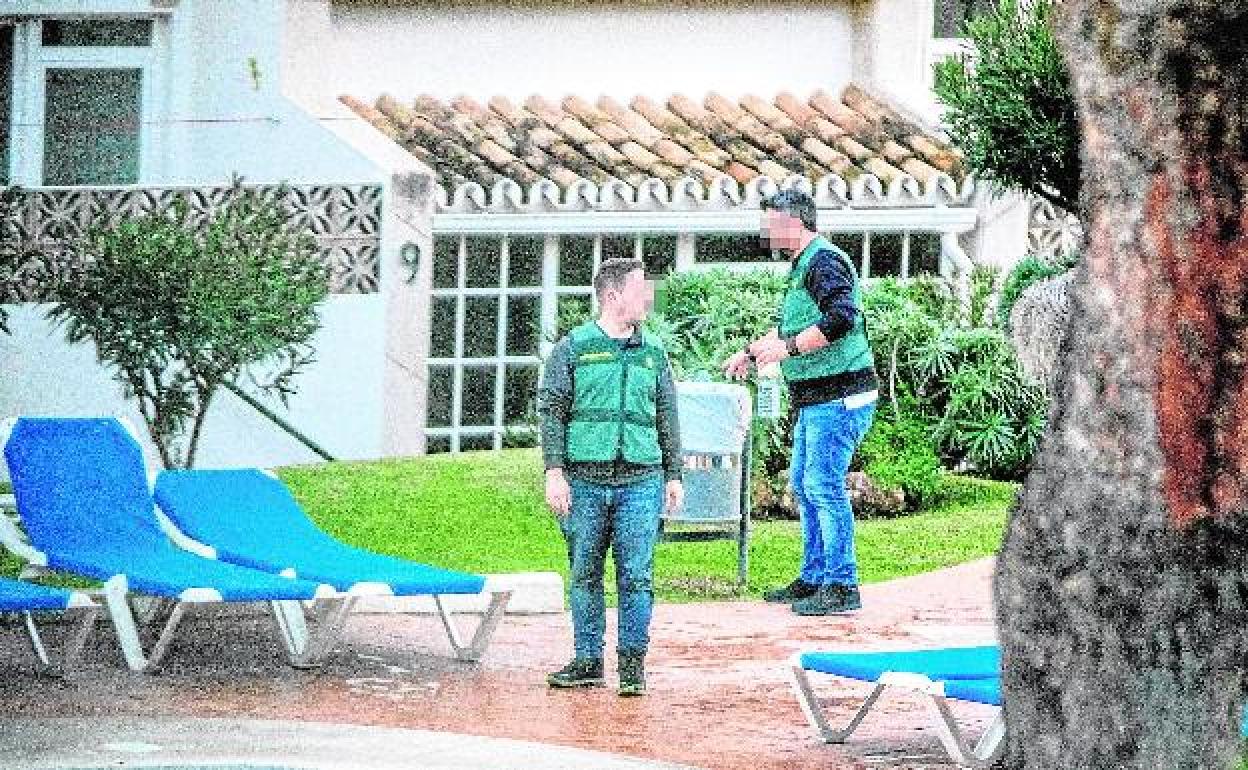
(338,403)
(228,110)
(892,38)
(218,107)
(618,49)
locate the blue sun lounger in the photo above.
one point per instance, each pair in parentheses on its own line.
(84,503)
(248,517)
(969,674)
(28,598)
(953,673)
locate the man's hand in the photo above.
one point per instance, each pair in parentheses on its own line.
(769,350)
(737,367)
(558,493)
(675,494)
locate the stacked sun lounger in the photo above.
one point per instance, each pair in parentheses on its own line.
(86,509)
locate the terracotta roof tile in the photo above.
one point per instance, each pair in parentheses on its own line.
(575,139)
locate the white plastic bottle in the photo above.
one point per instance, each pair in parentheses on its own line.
(768,395)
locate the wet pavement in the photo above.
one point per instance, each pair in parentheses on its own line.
(718,697)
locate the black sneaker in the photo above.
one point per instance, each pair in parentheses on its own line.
(830,599)
(632,673)
(798,589)
(581,672)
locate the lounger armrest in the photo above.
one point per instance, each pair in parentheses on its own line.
(201,596)
(912,681)
(180,539)
(79,600)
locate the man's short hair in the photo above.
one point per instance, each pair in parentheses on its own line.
(795,203)
(612,273)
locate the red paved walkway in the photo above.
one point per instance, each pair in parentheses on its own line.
(719,693)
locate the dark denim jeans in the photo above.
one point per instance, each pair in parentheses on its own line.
(626,518)
(824,440)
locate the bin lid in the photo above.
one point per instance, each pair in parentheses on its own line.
(714,416)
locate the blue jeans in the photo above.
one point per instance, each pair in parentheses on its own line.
(626,518)
(824,440)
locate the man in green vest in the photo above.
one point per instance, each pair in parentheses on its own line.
(611,446)
(822,347)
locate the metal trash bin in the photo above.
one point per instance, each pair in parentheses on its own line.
(715,437)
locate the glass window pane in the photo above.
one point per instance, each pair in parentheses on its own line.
(476,443)
(520,394)
(730,248)
(886,254)
(659,254)
(619,247)
(6,98)
(572,310)
(850,243)
(437,444)
(924,253)
(477,405)
(91,126)
(525,260)
(97,32)
(483,259)
(576,260)
(524,321)
(441,385)
(481,326)
(446,262)
(442,328)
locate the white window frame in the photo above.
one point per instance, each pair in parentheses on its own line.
(942,221)
(32,60)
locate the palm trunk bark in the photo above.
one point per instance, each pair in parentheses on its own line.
(1121,588)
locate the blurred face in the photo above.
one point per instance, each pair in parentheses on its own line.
(633,299)
(781,231)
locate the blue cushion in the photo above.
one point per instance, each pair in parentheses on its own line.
(82,495)
(940,663)
(252,519)
(16,596)
(977,690)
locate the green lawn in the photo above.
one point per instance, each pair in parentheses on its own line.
(484,512)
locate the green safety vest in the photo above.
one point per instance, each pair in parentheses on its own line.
(613,407)
(799,311)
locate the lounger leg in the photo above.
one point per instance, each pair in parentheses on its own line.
(814,712)
(292,626)
(309,649)
(73,647)
(985,751)
(36,642)
(115,597)
(72,650)
(481,639)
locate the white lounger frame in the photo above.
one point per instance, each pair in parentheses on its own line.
(87,613)
(980,755)
(305,649)
(338,604)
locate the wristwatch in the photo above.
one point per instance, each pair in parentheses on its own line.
(790,344)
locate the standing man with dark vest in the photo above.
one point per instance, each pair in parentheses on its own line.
(821,344)
(611,445)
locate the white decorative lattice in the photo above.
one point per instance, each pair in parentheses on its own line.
(345,220)
(1052,232)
